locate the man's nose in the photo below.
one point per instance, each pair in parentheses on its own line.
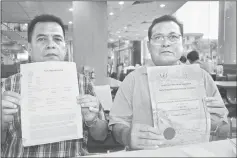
(51,44)
(166,42)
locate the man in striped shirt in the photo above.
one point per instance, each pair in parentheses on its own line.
(46,37)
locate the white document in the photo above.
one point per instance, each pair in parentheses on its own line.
(103,93)
(49,111)
(179,113)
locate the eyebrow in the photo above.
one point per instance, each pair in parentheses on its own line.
(174,33)
(39,35)
(163,34)
(58,36)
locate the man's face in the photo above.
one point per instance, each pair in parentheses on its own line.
(47,42)
(166,45)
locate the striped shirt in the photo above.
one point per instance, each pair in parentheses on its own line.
(13,147)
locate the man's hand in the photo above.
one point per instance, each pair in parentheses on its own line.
(218,113)
(90,107)
(10,103)
(145,137)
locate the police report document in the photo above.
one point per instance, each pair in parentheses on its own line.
(179,113)
(49,110)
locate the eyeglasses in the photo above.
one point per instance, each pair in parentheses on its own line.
(172,38)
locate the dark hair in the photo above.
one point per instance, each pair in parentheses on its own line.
(193,56)
(43,18)
(183,59)
(164,18)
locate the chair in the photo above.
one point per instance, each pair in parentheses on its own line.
(231,105)
(213,76)
(231,96)
(232,122)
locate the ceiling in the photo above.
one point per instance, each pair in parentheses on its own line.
(130,20)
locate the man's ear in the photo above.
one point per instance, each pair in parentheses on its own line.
(66,48)
(66,51)
(183,40)
(29,49)
(148,46)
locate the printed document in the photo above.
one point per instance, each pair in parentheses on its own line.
(179,112)
(49,111)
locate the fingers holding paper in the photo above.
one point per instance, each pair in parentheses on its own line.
(218,112)
(10,103)
(145,137)
(89,105)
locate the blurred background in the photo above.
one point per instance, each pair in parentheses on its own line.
(209,28)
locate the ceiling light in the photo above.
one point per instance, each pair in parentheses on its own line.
(70,9)
(70,22)
(125,27)
(26,24)
(162,5)
(121,2)
(111,13)
(119,36)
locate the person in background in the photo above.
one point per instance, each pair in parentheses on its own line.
(193,58)
(46,38)
(2,60)
(119,71)
(114,75)
(131,117)
(183,59)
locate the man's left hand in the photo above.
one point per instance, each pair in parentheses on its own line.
(90,107)
(218,113)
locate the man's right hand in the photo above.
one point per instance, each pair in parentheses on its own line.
(10,103)
(145,137)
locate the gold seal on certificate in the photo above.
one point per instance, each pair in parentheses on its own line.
(169,133)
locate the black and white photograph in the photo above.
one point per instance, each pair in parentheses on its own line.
(97,78)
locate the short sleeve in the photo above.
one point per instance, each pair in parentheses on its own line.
(212,91)
(121,110)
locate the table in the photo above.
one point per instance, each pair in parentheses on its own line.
(222,148)
(221,78)
(226,84)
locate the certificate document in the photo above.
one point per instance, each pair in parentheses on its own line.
(49,111)
(179,112)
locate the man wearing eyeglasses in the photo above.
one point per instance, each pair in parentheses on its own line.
(131,114)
